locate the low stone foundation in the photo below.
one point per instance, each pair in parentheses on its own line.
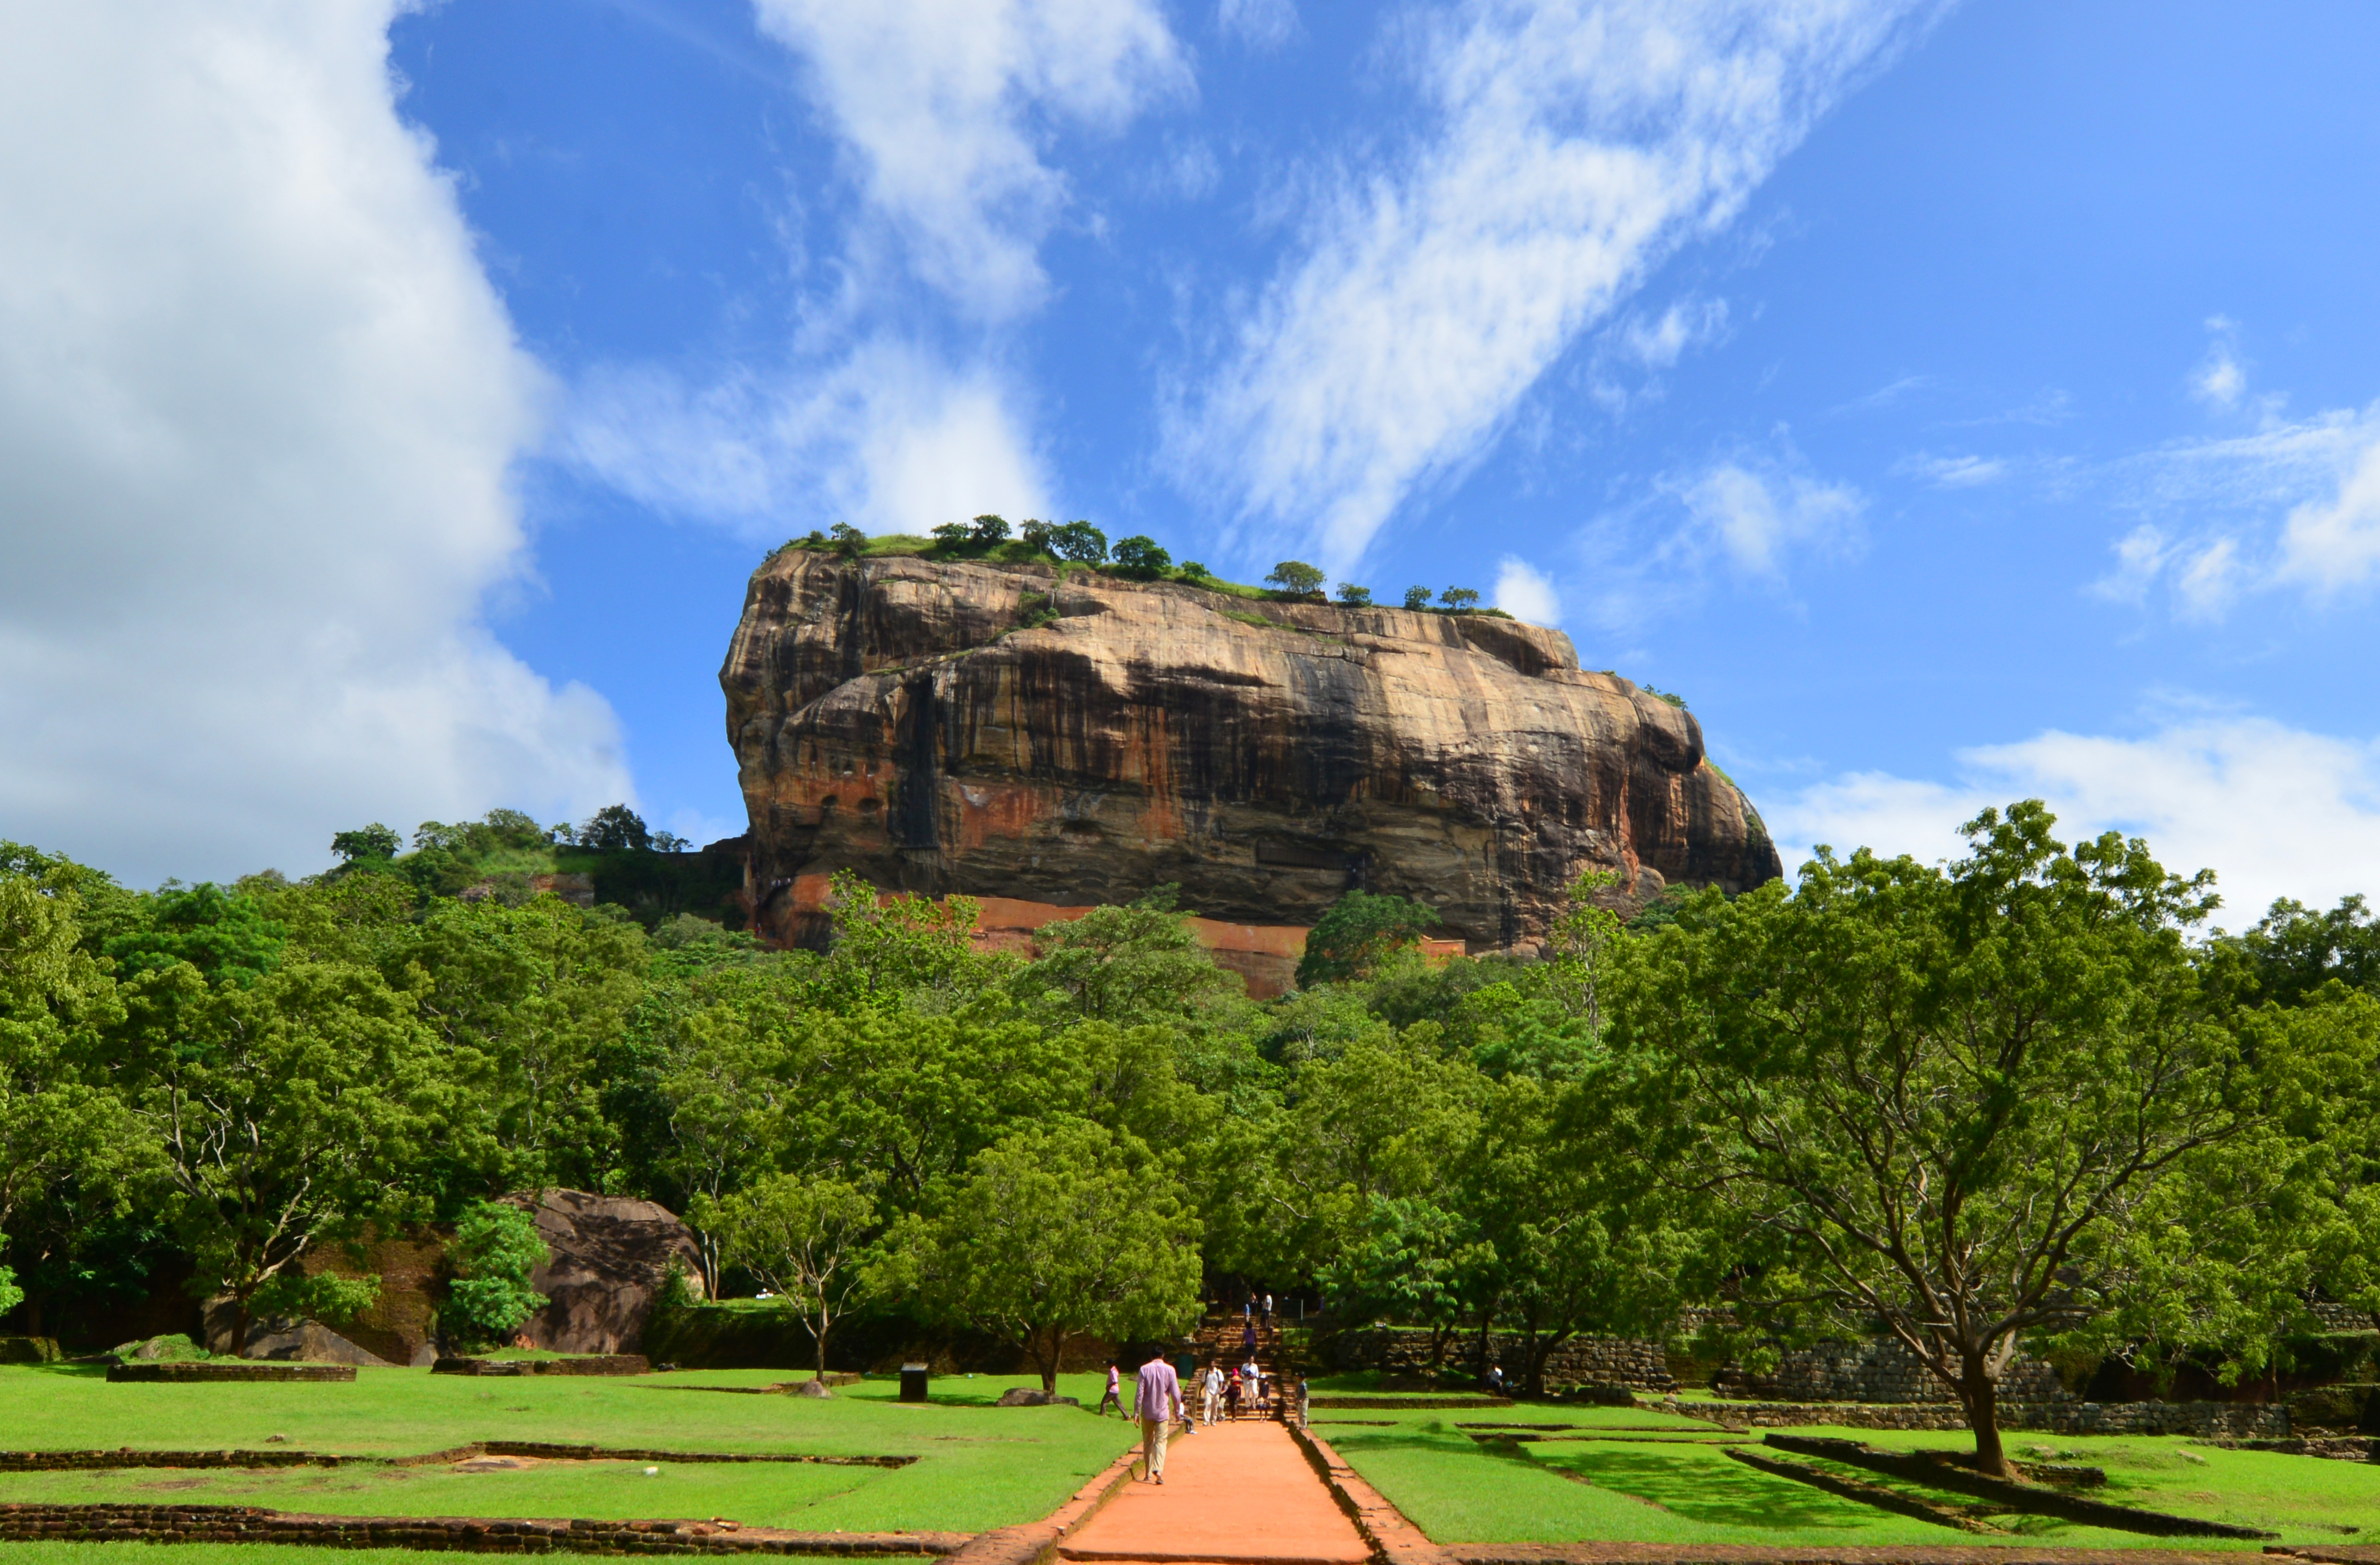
(240,1524)
(237,1369)
(587,1364)
(2238,1420)
(1594,1361)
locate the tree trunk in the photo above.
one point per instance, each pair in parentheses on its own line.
(820,1335)
(1980,1392)
(240,1326)
(1049,1364)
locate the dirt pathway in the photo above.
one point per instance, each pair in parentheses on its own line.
(1234,1492)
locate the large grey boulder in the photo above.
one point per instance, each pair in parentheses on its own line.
(611,1255)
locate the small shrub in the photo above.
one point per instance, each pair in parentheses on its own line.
(848,540)
(1195,568)
(1034,609)
(954,535)
(1417,598)
(496,1249)
(1355,596)
(1459,599)
(1674,699)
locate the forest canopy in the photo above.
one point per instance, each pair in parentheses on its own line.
(2025,1102)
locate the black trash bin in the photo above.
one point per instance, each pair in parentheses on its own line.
(913,1382)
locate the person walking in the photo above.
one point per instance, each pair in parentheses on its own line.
(1115,1395)
(1157,1402)
(1232,1399)
(1212,1384)
(1267,1312)
(1304,1400)
(1248,1339)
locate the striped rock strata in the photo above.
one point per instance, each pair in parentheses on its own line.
(999,730)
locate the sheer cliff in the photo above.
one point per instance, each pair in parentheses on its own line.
(998,730)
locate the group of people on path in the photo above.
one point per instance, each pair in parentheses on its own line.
(1157,1401)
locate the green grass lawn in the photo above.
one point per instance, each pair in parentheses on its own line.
(1459,1491)
(980,1466)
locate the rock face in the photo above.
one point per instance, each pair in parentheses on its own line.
(961,727)
(611,1254)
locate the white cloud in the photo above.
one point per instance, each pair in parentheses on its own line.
(891,438)
(1526,593)
(1566,149)
(1954,472)
(1658,343)
(1260,24)
(2275,811)
(942,107)
(2333,543)
(1754,516)
(2319,476)
(941,104)
(257,404)
(2220,382)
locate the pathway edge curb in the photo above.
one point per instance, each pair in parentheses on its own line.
(1035,1543)
(1394,1538)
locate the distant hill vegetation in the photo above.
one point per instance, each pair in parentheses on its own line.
(505,854)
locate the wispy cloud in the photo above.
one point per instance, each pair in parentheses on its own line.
(891,405)
(2209,792)
(2220,382)
(1753,515)
(1566,149)
(2293,505)
(1953,472)
(1260,24)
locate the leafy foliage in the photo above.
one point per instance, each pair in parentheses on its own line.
(1459,599)
(1296,578)
(495,1251)
(1141,557)
(1417,598)
(1355,596)
(1356,931)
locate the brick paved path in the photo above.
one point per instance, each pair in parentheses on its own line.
(1234,1492)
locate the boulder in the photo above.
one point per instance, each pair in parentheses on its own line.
(1026,1395)
(611,1255)
(961,727)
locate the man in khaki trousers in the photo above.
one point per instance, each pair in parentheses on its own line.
(1156,1404)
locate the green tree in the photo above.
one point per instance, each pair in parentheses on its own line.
(988,530)
(1295,578)
(1459,599)
(1052,1234)
(1357,932)
(1408,1260)
(367,843)
(1140,555)
(524,1000)
(848,540)
(226,938)
(803,1237)
(1355,596)
(954,535)
(1132,963)
(496,1250)
(1196,569)
(615,828)
(1580,948)
(1079,542)
(61,1129)
(1417,598)
(1975,1105)
(292,1112)
(2293,950)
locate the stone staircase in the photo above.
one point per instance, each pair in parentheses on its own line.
(1223,1338)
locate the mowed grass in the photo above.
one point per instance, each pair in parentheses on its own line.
(979,1466)
(1691,1492)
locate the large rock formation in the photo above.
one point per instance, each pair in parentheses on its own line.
(999,730)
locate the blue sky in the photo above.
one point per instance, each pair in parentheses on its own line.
(1953,403)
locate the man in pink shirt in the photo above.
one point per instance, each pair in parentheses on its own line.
(1158,1403)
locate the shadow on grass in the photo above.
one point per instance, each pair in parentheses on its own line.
(1717,1493)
